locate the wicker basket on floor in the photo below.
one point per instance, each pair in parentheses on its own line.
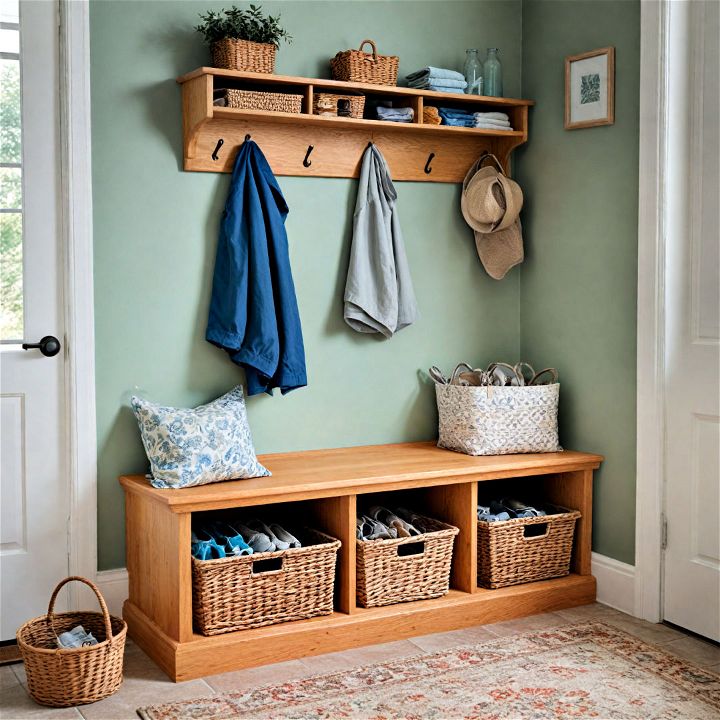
(233,54)
(357,103)
(362,67)
(256,100)
(249,591)
(414,568)
(513,552)
(72,676)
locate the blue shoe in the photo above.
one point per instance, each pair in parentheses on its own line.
(204,547)
(226,535)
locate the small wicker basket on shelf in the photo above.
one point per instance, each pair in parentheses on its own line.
(234,54)
(63,677)
(256,100)
(237,593)
(357,103)
(512,552)
(362,67)
(414,568)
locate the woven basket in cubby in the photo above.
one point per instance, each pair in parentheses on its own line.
(414,568)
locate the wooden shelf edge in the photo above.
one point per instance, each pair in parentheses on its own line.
(305,119)
(338,84)
(276,643)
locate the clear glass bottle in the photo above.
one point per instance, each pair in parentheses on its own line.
(473,72)
(492,73)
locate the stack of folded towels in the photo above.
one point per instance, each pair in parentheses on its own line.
(458,118)
(405,114)
(439,79)
(492,120)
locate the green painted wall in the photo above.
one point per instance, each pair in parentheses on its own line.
(156,227)
(578,294)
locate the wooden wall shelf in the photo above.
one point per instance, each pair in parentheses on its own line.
(338,143)
(327,487)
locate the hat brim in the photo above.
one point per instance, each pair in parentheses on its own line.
(501,250)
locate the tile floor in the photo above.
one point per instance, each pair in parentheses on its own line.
(145,683)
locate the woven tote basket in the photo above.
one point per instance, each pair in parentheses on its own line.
(254,100)
(357,103)
(232,54)
(265,588)
(72,676)
(414,568)
(362,67)
(498,420)
(523,550)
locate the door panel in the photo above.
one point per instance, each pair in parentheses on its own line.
(691,585)
(33,482)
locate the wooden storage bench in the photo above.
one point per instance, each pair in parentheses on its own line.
(322,487)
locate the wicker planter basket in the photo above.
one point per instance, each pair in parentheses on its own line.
(513,552)
(357,103)
(232,54)
(73,676)
(362,67)
(414,568)
(254,100)
(265,588)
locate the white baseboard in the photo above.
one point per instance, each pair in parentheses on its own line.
(113,585)
(615,583)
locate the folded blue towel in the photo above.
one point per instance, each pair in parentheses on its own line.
(395,114)
(453,112)
(435,83)
(458,118)
(435,73)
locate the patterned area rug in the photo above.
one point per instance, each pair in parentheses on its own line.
(583,671)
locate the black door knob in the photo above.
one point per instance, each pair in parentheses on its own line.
(48,346)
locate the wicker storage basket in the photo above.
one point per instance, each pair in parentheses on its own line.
(362,67)
(414,568)
(265,588)
(255,100)
(523,550)
(357,103)
(73,676)
(498,420)
(246,55)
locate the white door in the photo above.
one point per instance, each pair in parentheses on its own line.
(692,503)
(33,483)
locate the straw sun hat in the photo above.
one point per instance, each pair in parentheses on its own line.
(491,205)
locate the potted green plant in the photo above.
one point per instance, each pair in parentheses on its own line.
(243,39)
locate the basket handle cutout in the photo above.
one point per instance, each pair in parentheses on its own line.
(106,614)
(411,549)
(374,50)
(271,565)
(535,531)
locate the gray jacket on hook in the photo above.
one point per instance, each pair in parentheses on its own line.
(379,295)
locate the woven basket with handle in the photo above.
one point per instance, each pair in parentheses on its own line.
(73,676)
(413,568)
(233,54)
(362,67)
(512,552)
(237,593)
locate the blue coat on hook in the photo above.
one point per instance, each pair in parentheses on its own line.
(253,308)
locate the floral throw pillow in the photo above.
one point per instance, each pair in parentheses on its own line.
(197,446)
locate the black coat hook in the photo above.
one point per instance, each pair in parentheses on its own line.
(247,137)
(220,143)
(306,161)
(428,169)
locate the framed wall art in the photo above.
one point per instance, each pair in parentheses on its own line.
(590,89)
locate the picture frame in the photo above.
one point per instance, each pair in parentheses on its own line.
(590,89)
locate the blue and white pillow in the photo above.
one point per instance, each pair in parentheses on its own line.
(197,446)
